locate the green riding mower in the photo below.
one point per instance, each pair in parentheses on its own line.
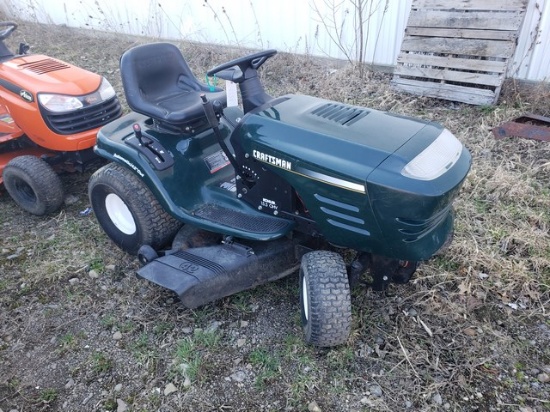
(214,200)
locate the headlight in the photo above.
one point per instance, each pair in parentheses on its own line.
(60,103)
(436,159)
(105,90)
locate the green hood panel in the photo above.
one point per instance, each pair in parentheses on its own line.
(349,140)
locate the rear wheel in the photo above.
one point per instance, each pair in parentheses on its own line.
(33,185)
(127,210)
(325,299)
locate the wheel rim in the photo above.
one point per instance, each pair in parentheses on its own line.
(119,214)
(305,299)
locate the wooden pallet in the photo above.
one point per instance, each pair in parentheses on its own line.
(458,49)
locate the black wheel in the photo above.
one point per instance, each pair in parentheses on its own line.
(33,185)
(325,299)
(127,210)
(146,254)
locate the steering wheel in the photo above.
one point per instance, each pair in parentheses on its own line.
(252,61)
(10,27)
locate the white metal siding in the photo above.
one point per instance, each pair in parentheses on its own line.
(532,58)
(287,25)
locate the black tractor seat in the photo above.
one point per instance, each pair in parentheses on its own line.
(158,83)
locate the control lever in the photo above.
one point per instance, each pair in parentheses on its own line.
(214,122)
(153,150)
(144,141)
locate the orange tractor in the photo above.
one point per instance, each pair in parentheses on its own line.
(50,112)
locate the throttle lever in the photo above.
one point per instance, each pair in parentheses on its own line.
(144,141)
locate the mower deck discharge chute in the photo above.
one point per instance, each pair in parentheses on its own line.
(248,196)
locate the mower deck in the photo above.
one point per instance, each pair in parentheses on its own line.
(203,274)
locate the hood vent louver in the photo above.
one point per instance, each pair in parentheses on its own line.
(340,113)
(44,66)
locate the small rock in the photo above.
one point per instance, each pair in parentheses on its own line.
(376,390)
(93,274)
(543,377)
(408,404)
(486,153)
(187,331)
(117,335)
(121,406)
(367,402)
(412,312)
(118,387)
(170,388)
(213,327)
(470,331)
(69,384)
(437,399)
(73,281)
(313,407)
(110,268)
(238,376)
(70,200)
(186,383)
(244,323)
(241,342)
(183,367)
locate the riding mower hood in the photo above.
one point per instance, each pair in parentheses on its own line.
(287,184)
(50,112)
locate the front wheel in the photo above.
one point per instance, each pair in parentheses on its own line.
(325,299)
(127,210)
(33,185)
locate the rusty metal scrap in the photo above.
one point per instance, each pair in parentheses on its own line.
(528,126)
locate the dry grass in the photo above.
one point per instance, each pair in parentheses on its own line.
(470,332)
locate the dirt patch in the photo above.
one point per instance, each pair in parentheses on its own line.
(79,332)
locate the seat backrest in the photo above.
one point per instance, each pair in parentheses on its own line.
(151,71)
(159,84)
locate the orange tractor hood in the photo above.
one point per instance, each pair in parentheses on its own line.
(42,74)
